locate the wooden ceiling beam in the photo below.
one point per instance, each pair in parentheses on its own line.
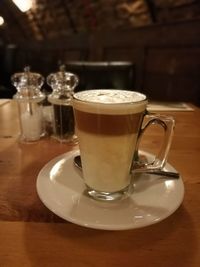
(68,14)
(14,19)
(152,10)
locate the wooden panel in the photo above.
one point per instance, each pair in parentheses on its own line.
(172,73)
(130,53)
(165,56)
(173,59)
(43,57)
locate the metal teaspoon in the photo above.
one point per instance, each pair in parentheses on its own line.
(175,175)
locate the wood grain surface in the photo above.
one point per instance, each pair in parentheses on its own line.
(31,235)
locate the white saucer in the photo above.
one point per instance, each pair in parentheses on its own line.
(61,188)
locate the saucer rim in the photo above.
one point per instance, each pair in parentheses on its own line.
(68,156)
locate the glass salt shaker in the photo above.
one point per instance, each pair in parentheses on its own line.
(29,98)
(63,84)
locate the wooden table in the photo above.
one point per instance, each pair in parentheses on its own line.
(31,235)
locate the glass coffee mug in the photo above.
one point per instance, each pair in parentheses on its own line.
(109,125)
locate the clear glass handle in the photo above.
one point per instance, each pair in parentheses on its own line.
(167,123)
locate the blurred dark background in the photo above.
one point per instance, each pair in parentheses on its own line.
(152,46)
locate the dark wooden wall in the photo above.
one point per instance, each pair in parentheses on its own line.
(166,57)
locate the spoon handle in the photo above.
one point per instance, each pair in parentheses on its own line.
(175,175)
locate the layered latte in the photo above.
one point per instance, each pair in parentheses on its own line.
(107,125)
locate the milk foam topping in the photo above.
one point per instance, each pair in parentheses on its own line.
(110,96)
(110,101)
